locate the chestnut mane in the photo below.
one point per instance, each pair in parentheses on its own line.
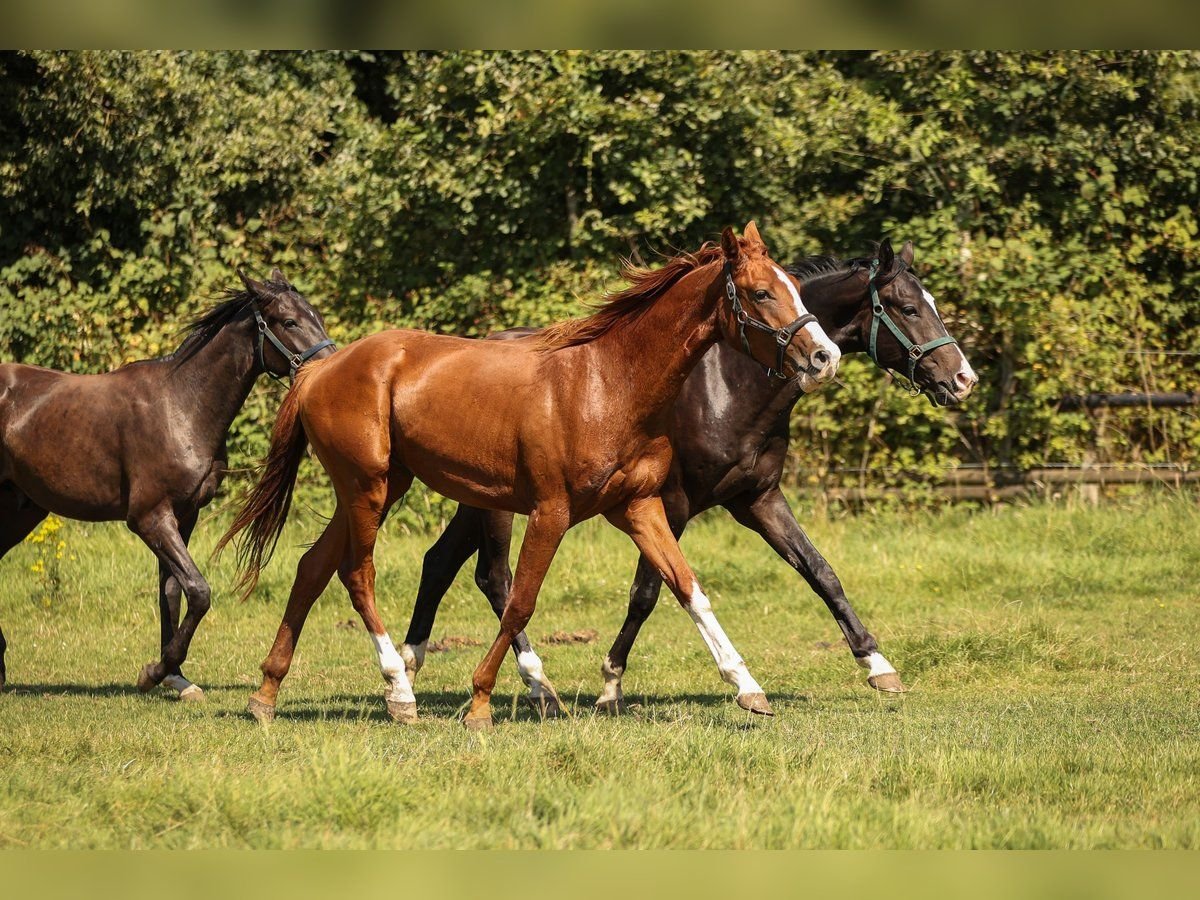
(645,286)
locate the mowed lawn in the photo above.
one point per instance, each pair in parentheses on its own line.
(1052,654)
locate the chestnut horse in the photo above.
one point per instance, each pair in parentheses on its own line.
(145,444)
(562,426)
(730,431)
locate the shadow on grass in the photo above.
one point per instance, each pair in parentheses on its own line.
(450,705)
(103,690)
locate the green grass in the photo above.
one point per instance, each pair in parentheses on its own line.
(1052,654)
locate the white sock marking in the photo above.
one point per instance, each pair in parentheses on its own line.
(181,685)
(729,662)
(413,656)
(876,663)
(529,664)
(392,667)
(612,683)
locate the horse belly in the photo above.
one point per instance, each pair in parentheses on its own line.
(472,466)
(460,428)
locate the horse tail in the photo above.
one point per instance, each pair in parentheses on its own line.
(266,508)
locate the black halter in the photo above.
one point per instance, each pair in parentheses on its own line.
(294,358)
(783,336)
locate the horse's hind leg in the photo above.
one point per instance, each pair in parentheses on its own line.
(18,518)
(442,561)
(313,573)
(366,505)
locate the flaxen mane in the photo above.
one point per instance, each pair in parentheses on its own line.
(645,286)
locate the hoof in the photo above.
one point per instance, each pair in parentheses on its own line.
(755,703)
(264,713)
(888,684)
(403,712)
(478,723)
(612,707)
(146,681)
(191,694)
(546,707)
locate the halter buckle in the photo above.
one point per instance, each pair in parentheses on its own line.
(917,351)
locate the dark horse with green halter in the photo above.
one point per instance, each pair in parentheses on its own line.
(145,444)
(730,430)
(913,351)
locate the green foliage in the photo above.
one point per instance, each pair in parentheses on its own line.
(1051,198)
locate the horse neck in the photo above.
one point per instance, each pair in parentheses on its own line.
(765,405)
(839,301)
(218,379)
(653,354)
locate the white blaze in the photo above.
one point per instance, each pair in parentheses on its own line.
(964,367)
(814,330)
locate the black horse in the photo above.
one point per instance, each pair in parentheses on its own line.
(146,443)
(730,432)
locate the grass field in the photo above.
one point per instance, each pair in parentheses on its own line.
(1051,652)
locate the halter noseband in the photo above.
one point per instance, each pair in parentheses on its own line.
(294,358)
(879,314)
(783,336)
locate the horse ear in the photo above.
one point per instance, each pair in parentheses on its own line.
(255,287)
(906,253)
(730,246)
(887,256)
(277,276)
(751,233)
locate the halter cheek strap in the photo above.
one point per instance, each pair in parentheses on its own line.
(913,351)
(294,359)
(783,336)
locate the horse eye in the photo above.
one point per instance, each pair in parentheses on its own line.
(910,311)
(762,295)
(290,323)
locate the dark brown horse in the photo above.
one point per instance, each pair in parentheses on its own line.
(562,426)
(730,431)
(146,443)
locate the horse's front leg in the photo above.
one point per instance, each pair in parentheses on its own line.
(645,520)
(494,577)
(170,592)
(161,532)
(547,525)
(768,514)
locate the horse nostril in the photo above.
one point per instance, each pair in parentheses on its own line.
(964,382)
(820,358)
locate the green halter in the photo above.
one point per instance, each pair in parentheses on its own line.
(879,314)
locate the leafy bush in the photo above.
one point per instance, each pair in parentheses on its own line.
(1051,197)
